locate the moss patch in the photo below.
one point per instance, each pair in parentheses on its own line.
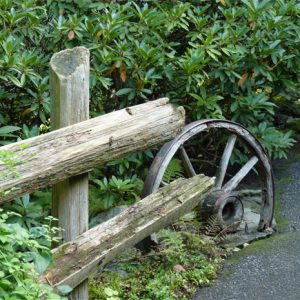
(181,263)
(283,181)
(276,243)
(281,221)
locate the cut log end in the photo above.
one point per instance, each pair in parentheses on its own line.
(65,62)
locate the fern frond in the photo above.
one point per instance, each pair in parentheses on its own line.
(213,226)
(174,170)
(222,235)
(218,232)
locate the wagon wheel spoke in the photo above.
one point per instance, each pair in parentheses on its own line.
(220,175)
(241,174)
(186,162)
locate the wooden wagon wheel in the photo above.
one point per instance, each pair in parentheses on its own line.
(258,159)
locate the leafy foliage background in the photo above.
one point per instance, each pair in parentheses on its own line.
(234,59)
(219,59)
(25,243)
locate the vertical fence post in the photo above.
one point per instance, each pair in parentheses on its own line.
(69,90)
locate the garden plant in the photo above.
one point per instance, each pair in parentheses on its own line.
(229,59)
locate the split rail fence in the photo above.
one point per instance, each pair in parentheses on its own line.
(77,144)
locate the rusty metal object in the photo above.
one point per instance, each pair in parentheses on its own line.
(259,159)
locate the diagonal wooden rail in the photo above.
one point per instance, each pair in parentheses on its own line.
(76,260)
(60,154)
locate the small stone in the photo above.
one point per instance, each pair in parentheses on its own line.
(179,269)
(107,215)
(269,230)
(236,249)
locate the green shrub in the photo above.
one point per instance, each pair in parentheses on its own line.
(230,60)
(25,245)
(23,255)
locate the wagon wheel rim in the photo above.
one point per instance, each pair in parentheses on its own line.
(259,159)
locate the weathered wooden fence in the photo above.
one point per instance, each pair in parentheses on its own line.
(64,156)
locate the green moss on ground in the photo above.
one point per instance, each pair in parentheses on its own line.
(281,221)
(275,243)
(174,270)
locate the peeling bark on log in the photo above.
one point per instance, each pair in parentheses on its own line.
(73,150)
(74,261)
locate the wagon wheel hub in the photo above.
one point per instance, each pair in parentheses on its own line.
(227,207)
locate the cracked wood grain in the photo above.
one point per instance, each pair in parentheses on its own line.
(76,149)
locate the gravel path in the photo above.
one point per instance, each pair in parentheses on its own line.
(270,268)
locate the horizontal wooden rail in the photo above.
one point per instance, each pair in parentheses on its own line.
(74,261)
(55,156)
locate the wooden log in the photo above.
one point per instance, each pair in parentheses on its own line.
(76,260)
(76,149)
(69,91)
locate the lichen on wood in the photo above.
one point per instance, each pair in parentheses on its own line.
(99,245)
